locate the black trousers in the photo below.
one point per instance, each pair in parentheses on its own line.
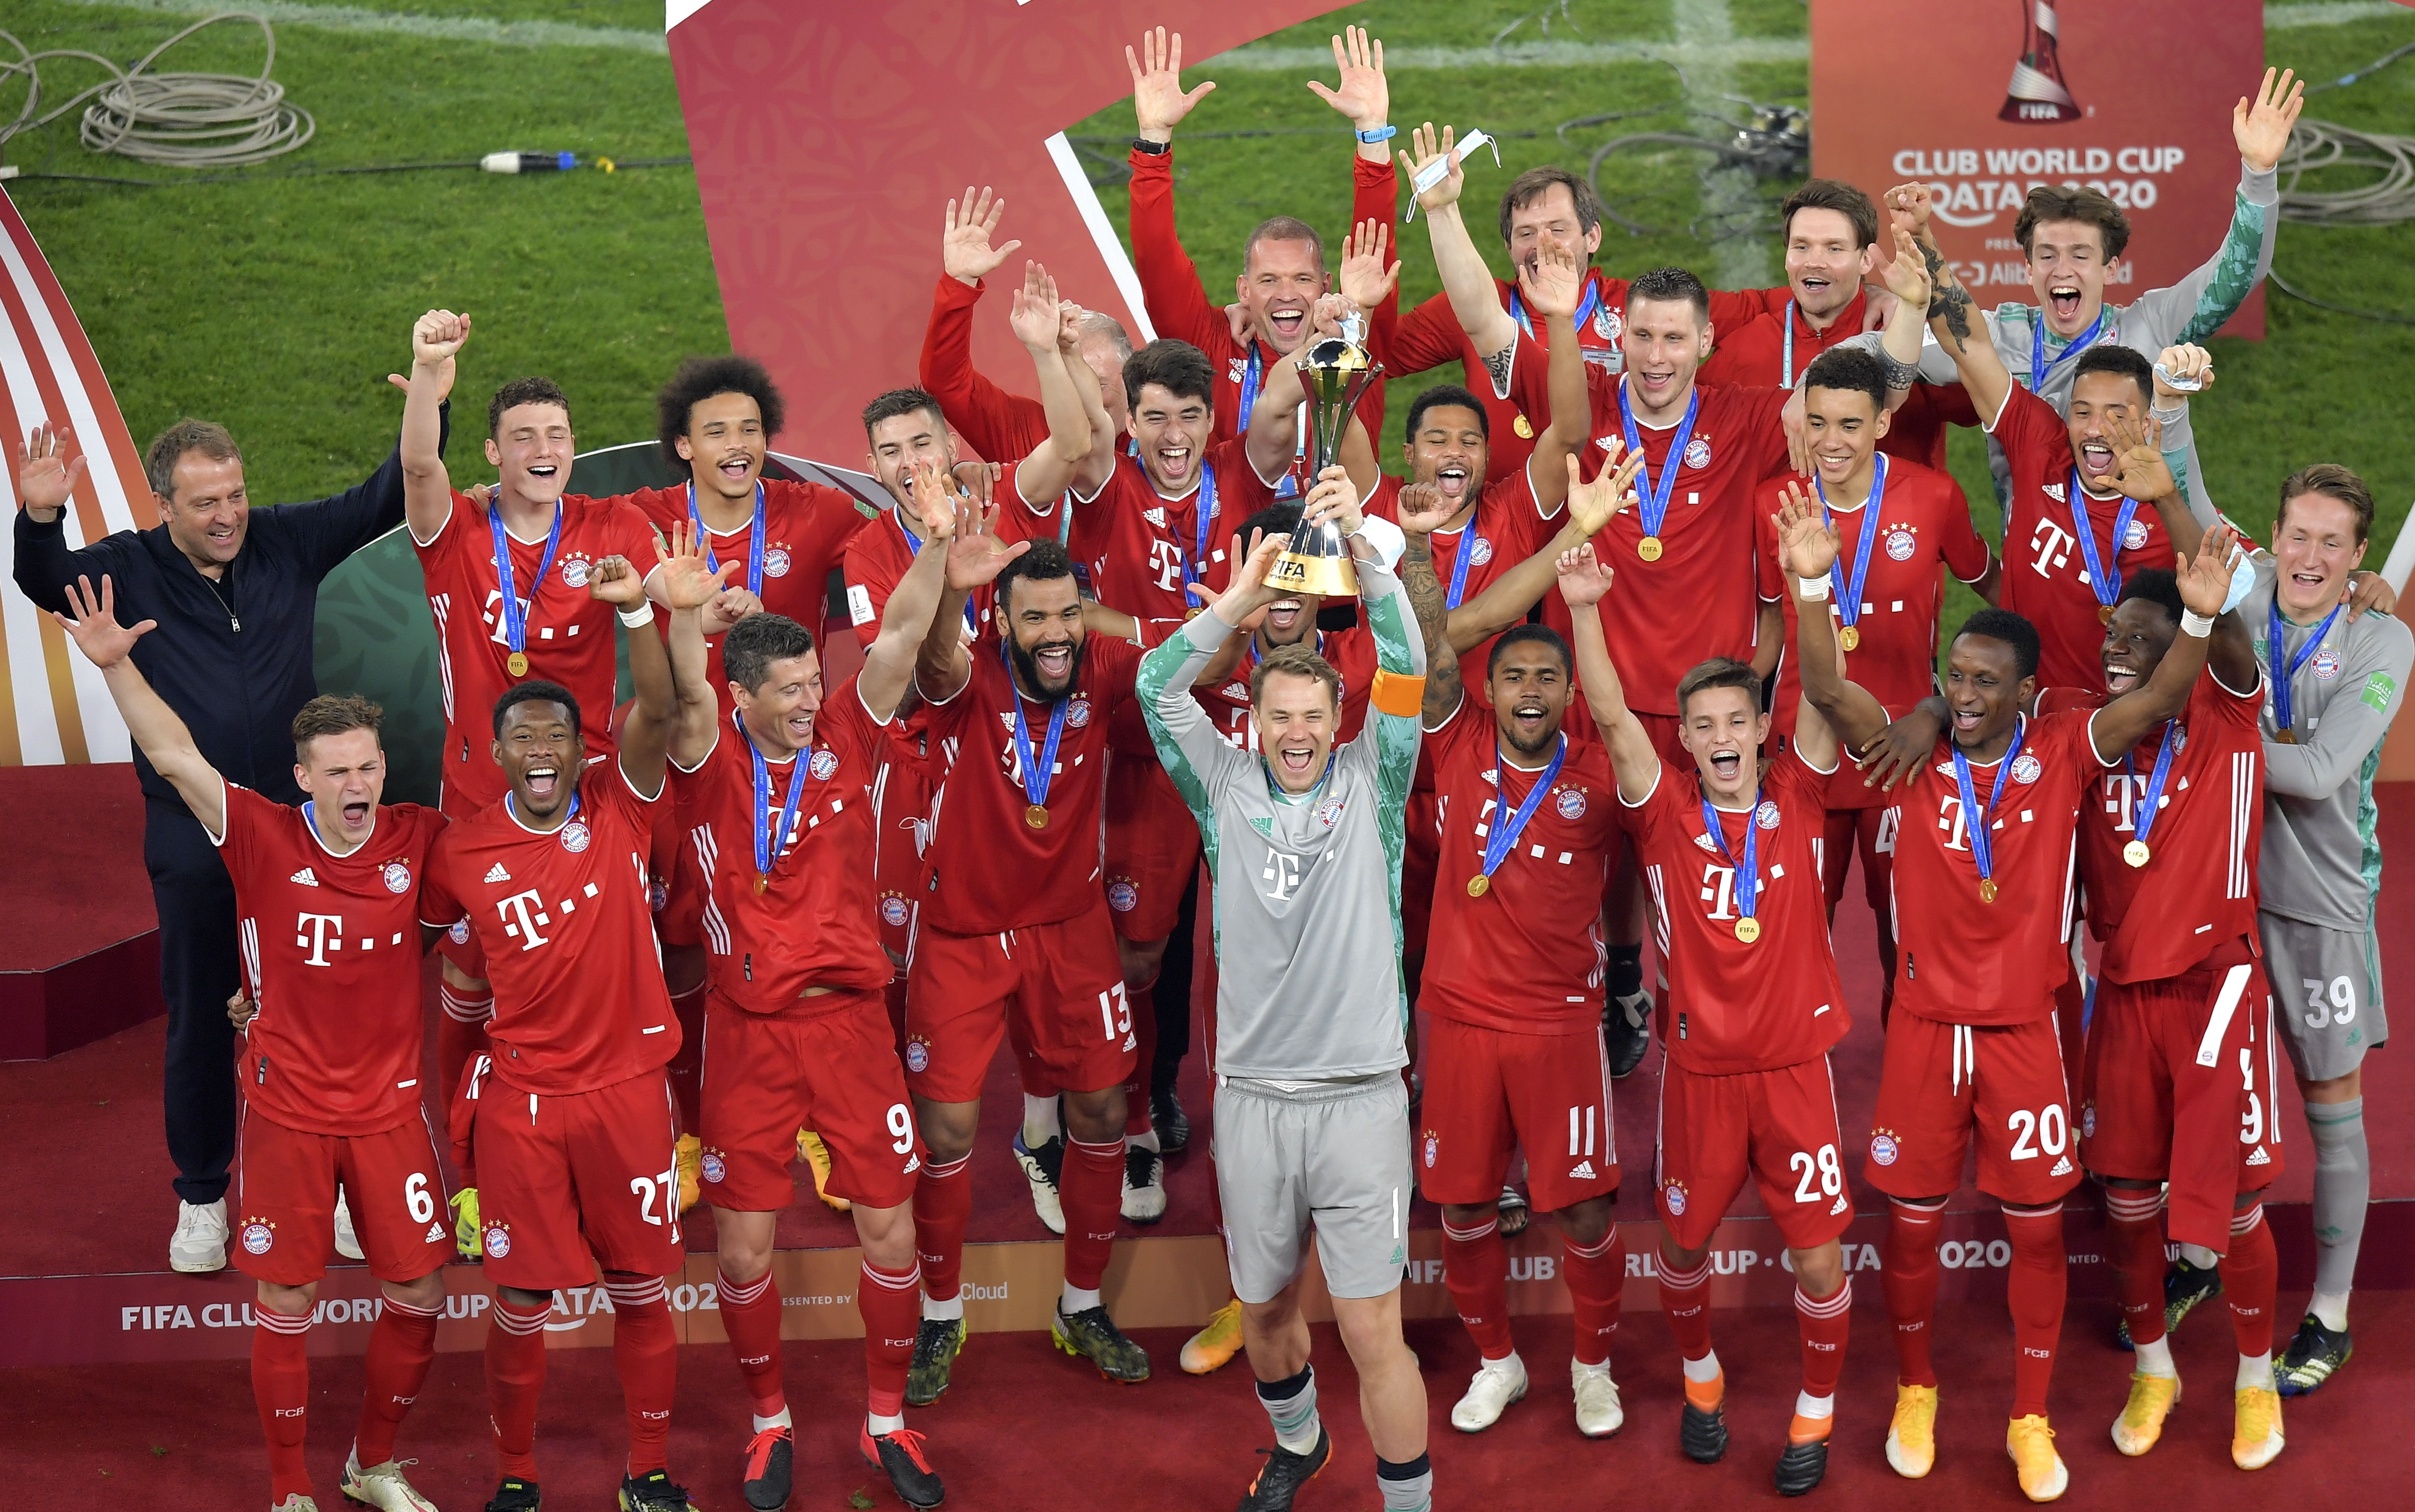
(1170,998)
(197,974)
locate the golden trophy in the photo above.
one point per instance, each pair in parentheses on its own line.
(1337,373)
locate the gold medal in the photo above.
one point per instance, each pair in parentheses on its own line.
(1036,817)
(2136,853)
(1849,637)
(516,663)
(2105,614)
(1478,885)
(762,884)
(1747,930)
(1193,612)
(2287,736)
(1524,427)
(1987,890)
(1649,548)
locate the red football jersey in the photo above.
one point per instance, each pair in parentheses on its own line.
(1923,531)
(991,870)
(1736,1007)
(1756,352)
(2045,572)
(1138,543)
(1960,960)
(991,422)
(1351,652)
(335,1048)
(877,556)
(1528,955)
(805,529)
(1508,527)
(569,635)
(566,920)
(2198,889)
(1698,600)
(813,926)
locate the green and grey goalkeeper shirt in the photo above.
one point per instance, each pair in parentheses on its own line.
(1308,889)
(2322,859)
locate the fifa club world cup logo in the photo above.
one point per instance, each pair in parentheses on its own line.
(2037,93)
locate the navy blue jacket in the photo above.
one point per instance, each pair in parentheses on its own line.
(236,680)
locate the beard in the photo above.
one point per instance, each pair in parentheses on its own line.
(1027,666)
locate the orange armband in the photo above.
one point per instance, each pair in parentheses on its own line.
(1397,694)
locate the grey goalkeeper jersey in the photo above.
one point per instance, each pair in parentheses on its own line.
(1308,889)
(2322,857)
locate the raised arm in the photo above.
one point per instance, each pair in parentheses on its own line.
(646,734)
(975,558)
(1177,302)
(164,741)
(1552,288)
(994,422)
(427,491)
(1421,507)
(1808,549)
(685,585)
(1092,474)
(1466,278)
(2204,582)
(1037,320)
(2199,304)
(45,479)
(905,621)
(1585,581)
(1506,599)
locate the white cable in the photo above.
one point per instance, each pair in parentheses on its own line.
(178,120)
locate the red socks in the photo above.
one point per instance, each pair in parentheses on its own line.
(1596,1277)
(1823,1323)
(891,1305)
(943,1209)
(460,1034)
(1908,1279)
(2251,1274)
(2134,1242)
(280,1383)
(2036,1292)
(401,1347)
(1685,1298)
(686,1069)
(645,1352)
(1091,1188)
(515,1375)
(1476,1270)
(750,1314)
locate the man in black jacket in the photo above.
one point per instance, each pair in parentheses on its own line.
(237,598)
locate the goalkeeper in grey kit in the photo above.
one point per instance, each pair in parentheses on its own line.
(1303,842)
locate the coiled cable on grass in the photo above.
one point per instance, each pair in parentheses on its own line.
(176,120)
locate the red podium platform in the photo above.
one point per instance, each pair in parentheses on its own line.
(79,941)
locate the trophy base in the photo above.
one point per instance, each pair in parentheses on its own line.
(1326,577)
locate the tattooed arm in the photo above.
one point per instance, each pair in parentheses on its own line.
(1417,580)
(1954,317)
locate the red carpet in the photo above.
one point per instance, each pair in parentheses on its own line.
(1022,1422)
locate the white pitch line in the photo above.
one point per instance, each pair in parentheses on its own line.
(1707,32)
(437,28)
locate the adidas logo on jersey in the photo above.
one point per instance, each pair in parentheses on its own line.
(304,878)
(435,1232)
(1583,1171)
(1237,690)
(496,874)
(1840,1206)
(2259,1158)
(2061,1167)
(1155,516)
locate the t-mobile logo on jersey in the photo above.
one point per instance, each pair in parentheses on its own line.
(1282,873)
(2053,544)
(318,934)
(1719,890)
(1950,819)
(1165,560)
(521,913)
(2123,792)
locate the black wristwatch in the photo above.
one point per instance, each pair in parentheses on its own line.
(1153,149)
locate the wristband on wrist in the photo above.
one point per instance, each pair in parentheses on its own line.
(640,617)
(2194,623)
(1152,149)
(1813,589)
(1381,133)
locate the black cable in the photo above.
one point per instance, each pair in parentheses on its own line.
(2366,72)
(2275,279)
(606,164)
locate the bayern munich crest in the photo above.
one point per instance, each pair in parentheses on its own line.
(2026,767)
(575,837)
(2135,536)
(711,1167)
(1672,1196)
(1606,324)
(2180,736)
(1901,543)
(918,1057)
(2327,664)
(1479,551)
(892,911)
(775,562)
(1883,1148)
(1766,816)
(1329,813)
(1570,804)
(658,896)
(573,572)
(1077,713)
(824,764)
(1697,453)
(1433,1150)
(2087,1120)
(1122,896)
(257,1238)
(459,933)
(499,1242)
(398,876)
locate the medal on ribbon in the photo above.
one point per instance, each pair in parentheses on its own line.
(1653,499)
(1974,821)
(2284,670)
(1503,837)
(515,616)
(1849,592)
(1036,774)
(1748,871)
(754,540)
(2143,818)
(770,842)
(2105,582)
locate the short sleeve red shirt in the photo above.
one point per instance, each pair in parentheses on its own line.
(876,558)
(806,527)
(1350,653)
(1735,1006)
(814,924)
(566,918)
(2198,889)
(1527,956)
(1507,526)
(569,633)
(992,870)
(2045,572)
(1960,960)
(1141,548)
(331,953)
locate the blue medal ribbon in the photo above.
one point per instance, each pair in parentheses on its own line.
(515,616)
(1848,594)
(2039,366)
(754,540)
(1459,561)
(1274,788)
(1253,376)
(1976,822)
(2282,673)
(2105,584)
(1654,497)
(1503,837)
(1592,302)
(1786,362)
(914,544)
(769,841)
(1748,871)
(1204,510)
(1036,774)
(2143,817)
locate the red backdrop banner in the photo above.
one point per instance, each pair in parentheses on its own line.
(828,137)
(1984,98)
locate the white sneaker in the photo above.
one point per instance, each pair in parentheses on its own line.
(1144,1185)
(296,1503)
(382,1486)
(199,1245)
(1489,1392)
(1598,1413)
(347,1244)
(1040,1168)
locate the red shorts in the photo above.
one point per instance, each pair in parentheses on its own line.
(1869,832)
(1940,1081)
(1153,847)
(1060,984)
(283,1206)
(570,1184)
(1487,1089)
(1780,1125)
(828,1065)
(2168,1095)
